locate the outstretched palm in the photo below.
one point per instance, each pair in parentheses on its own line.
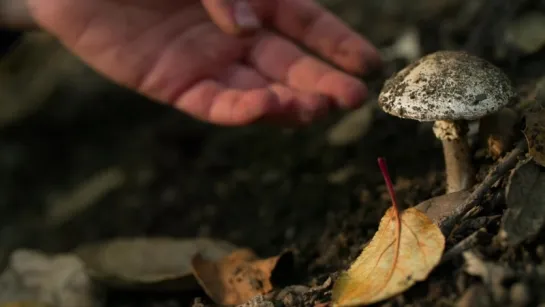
(172,51)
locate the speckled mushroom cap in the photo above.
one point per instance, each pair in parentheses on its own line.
(446,85)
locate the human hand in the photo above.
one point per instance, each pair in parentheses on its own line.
(190,54)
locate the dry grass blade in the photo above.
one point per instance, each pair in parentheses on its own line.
(405,249)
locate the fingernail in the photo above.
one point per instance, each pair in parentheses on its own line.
(245,16)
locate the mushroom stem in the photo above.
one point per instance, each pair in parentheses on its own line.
(458,166)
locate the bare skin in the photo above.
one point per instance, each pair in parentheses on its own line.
(189,54)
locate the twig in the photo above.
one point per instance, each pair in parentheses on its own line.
(447,223)
(472,225)
(492,202)
(471,241)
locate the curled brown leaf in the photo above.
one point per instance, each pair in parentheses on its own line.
(237,277)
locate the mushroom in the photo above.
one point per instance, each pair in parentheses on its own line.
(449,88)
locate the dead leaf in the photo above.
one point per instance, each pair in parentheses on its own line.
(535,135)
(439,207)
(532,97)
(404,250)
(525,198)
(497,131)
(352,126)
(149,263)
(36,279)
(237,277)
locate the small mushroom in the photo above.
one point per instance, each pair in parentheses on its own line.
(449,88)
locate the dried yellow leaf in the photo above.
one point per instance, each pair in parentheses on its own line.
(388,266)
(404,250)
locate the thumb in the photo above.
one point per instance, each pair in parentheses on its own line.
(233,16)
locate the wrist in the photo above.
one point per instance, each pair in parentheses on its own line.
(14,14)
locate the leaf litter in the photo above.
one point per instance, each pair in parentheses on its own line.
(149,263)
(525,198)
(229,275)
(493,275)
(34,279)
(404,250)
(239,276)
(535,135)
(442,206)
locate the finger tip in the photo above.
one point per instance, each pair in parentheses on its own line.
(298,108)
(259,103)
(346,91)
(358,56)
(315,106)
(374,59)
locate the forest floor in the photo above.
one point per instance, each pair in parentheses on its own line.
(83,160)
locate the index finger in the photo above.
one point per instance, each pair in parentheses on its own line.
(307,22)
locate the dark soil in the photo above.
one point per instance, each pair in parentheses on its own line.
(263,187)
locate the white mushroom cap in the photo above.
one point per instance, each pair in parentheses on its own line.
(446,85)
